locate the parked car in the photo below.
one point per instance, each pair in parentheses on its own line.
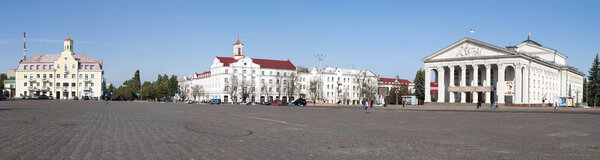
(266,103)
(75,98)
(85,98)
(42,97)
(277,103)
(214,101)
(94,98)
(2,97)
(299,102)
(50,97)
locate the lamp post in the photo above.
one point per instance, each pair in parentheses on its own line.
(397,92)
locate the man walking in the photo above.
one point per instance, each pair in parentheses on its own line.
(106,98)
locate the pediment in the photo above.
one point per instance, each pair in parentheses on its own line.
(467,48)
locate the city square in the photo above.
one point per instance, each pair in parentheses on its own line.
(64,129)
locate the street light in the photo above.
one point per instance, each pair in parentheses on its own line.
(397,92)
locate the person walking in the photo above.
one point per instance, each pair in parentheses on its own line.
(364,103)
(106,98)
(403,103)
(478,104)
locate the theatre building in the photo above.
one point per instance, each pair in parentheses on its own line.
(471,71)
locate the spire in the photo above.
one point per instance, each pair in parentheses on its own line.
(528,35)
(24,47)
(238,40)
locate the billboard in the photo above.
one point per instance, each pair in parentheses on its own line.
(383,91)
(434,88)
(509,88)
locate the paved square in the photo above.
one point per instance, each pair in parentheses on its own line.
(141,130)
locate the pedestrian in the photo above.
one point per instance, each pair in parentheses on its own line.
(371,104)
(106,98)
(364,103)
(403,103)
(555,106)
(478,104)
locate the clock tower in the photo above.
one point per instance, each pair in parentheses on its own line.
(238,49)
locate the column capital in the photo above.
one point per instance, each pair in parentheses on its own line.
(440,68)
(487,65)
(476,66)
(463,67)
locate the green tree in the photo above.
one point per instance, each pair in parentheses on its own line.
(301,69)
(594,83)
(584,90)
(420,85)
(2,78)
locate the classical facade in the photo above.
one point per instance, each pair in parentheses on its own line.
(471,71)
(241,79)
(63,76)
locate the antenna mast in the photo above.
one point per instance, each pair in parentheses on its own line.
(24,47)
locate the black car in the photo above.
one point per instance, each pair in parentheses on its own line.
(86,98)
(2,97)
(42,97)
(299,102)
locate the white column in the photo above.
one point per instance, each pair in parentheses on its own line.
(500,84)
(427,84)
(488,81)
(441,85)
(525,88)
(463,82)
(451,94)
(518,82)
(474,83)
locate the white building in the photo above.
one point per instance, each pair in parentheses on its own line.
(332,85)
(64,76)
(469,71)
(241,78)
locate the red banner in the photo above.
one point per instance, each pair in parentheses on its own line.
(433,88)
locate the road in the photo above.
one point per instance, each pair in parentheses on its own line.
(64,129)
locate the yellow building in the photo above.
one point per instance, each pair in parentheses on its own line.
(62,76)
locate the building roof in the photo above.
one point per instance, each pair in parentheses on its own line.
(238,42)
(392,80)
(50,58)
(264,63)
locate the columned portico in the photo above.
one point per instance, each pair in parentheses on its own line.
(475,82)
(441,85)
(488,82)
(451,84)
(463,82)
(521,74)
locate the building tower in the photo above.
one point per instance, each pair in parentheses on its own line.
(238,49)
(68,44)
(24,47)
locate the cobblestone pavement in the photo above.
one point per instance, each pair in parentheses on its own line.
(144,130)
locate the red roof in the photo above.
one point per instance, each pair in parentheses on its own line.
(264,63)
(238,42)
(68,39)
(391,80)
(203,73)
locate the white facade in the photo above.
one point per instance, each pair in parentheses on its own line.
(332,85)
(469,71)
(241,78)
(63,76)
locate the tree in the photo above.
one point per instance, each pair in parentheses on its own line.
(314,90)
(231,87)
(197,91)
(594,83)
(584,90)
(2,78)
(291,85)
(366,86)
(420,85)
(402,90)
(301,69)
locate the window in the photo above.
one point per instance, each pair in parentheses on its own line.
(31,67)
(30,83)
(37,76)
(91,84)
(58,84)
(80,84)
(58,66)
(73,84)
(50,84)
(37,67)
(263,72)
(226,88)
(65,66)
(57,75)
(86,76)
(80,76)
(44,67)
(226,80)
(270,81)
(73,66)
(73,76)
(92,67)
(244,71)
(25,76)
(235,71)
(50,75)
(226,71)
(262,81)
(86,84)
(50,66)
(92,76)
(24,67)
(66,76)
(25,84)
(253,71)
(44,76)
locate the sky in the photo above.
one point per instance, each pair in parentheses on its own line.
(387,37)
